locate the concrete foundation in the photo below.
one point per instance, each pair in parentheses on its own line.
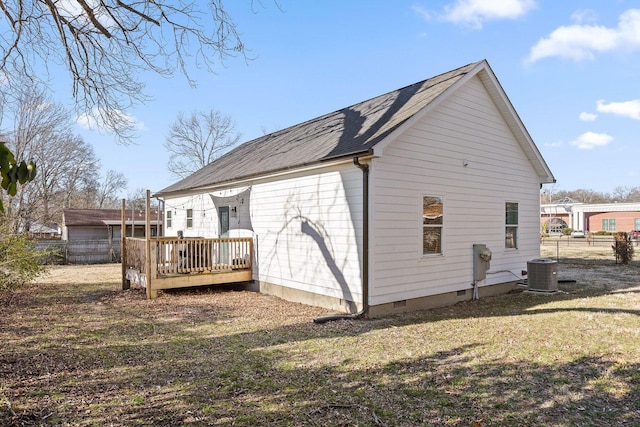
(381,310)
(440,300)
(305,297)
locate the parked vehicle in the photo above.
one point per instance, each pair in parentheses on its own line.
(578,233)
(635,234)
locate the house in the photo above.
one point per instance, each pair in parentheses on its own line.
(423,196)
(42,232)
(104,224)
(589,217)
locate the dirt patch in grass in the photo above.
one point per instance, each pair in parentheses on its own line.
(78,351)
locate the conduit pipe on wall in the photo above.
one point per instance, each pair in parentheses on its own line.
(365,250)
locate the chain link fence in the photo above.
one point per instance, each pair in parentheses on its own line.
(592,247)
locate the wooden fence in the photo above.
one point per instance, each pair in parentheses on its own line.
(80,252)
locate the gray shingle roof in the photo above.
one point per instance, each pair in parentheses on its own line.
(100,217)
(347,132)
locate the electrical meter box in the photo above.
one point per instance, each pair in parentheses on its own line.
(481,261)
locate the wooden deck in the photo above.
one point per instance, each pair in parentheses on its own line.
(169,262)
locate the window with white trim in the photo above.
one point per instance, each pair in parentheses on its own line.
(511,225)
(432,223)
(169,219)
(189,218)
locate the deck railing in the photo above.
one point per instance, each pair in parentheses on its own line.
(192,255)
(135,253)
(170,255)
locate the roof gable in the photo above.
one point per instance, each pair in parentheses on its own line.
(353,131)
(500,99)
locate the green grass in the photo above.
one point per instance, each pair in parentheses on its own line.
(90,354)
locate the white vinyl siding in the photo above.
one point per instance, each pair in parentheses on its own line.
(310,231)
(202,212)
(429,158)
(308,228)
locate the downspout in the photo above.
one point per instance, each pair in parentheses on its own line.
(363,313)
(365,238)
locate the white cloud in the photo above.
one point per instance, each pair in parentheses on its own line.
(94,120)
(580,42)
(629,109)
(590,140)
(474,13)
(583,16)
(555,144)
(588,117)
(87,121)
(421,11)
(71,9)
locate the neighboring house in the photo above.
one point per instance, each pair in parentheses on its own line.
(589,217)
(104,224)
(383,206)
(39,231)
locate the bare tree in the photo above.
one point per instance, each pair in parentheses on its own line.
(111,183)
(620,194)
(197,140)
(137,199)
(625,194)
(81,181)
(106,44)
(42,131)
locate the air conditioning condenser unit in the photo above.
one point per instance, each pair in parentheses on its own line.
(542,274)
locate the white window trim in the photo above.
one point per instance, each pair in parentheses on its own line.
(505,225)
(187,219)
(442,226)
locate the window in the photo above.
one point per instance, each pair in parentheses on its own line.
(511,228)
(189,218)
(636,224)
(555,225)
(431,225)
(169,219)
(609,224)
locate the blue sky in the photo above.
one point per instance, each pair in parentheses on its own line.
(571,70)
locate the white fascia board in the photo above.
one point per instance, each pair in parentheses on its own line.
(251,180)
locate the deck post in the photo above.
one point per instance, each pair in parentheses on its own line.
(147,235)
(123,246)
(154,268)
(252,253)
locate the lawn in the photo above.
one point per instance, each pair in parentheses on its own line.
(77,350)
